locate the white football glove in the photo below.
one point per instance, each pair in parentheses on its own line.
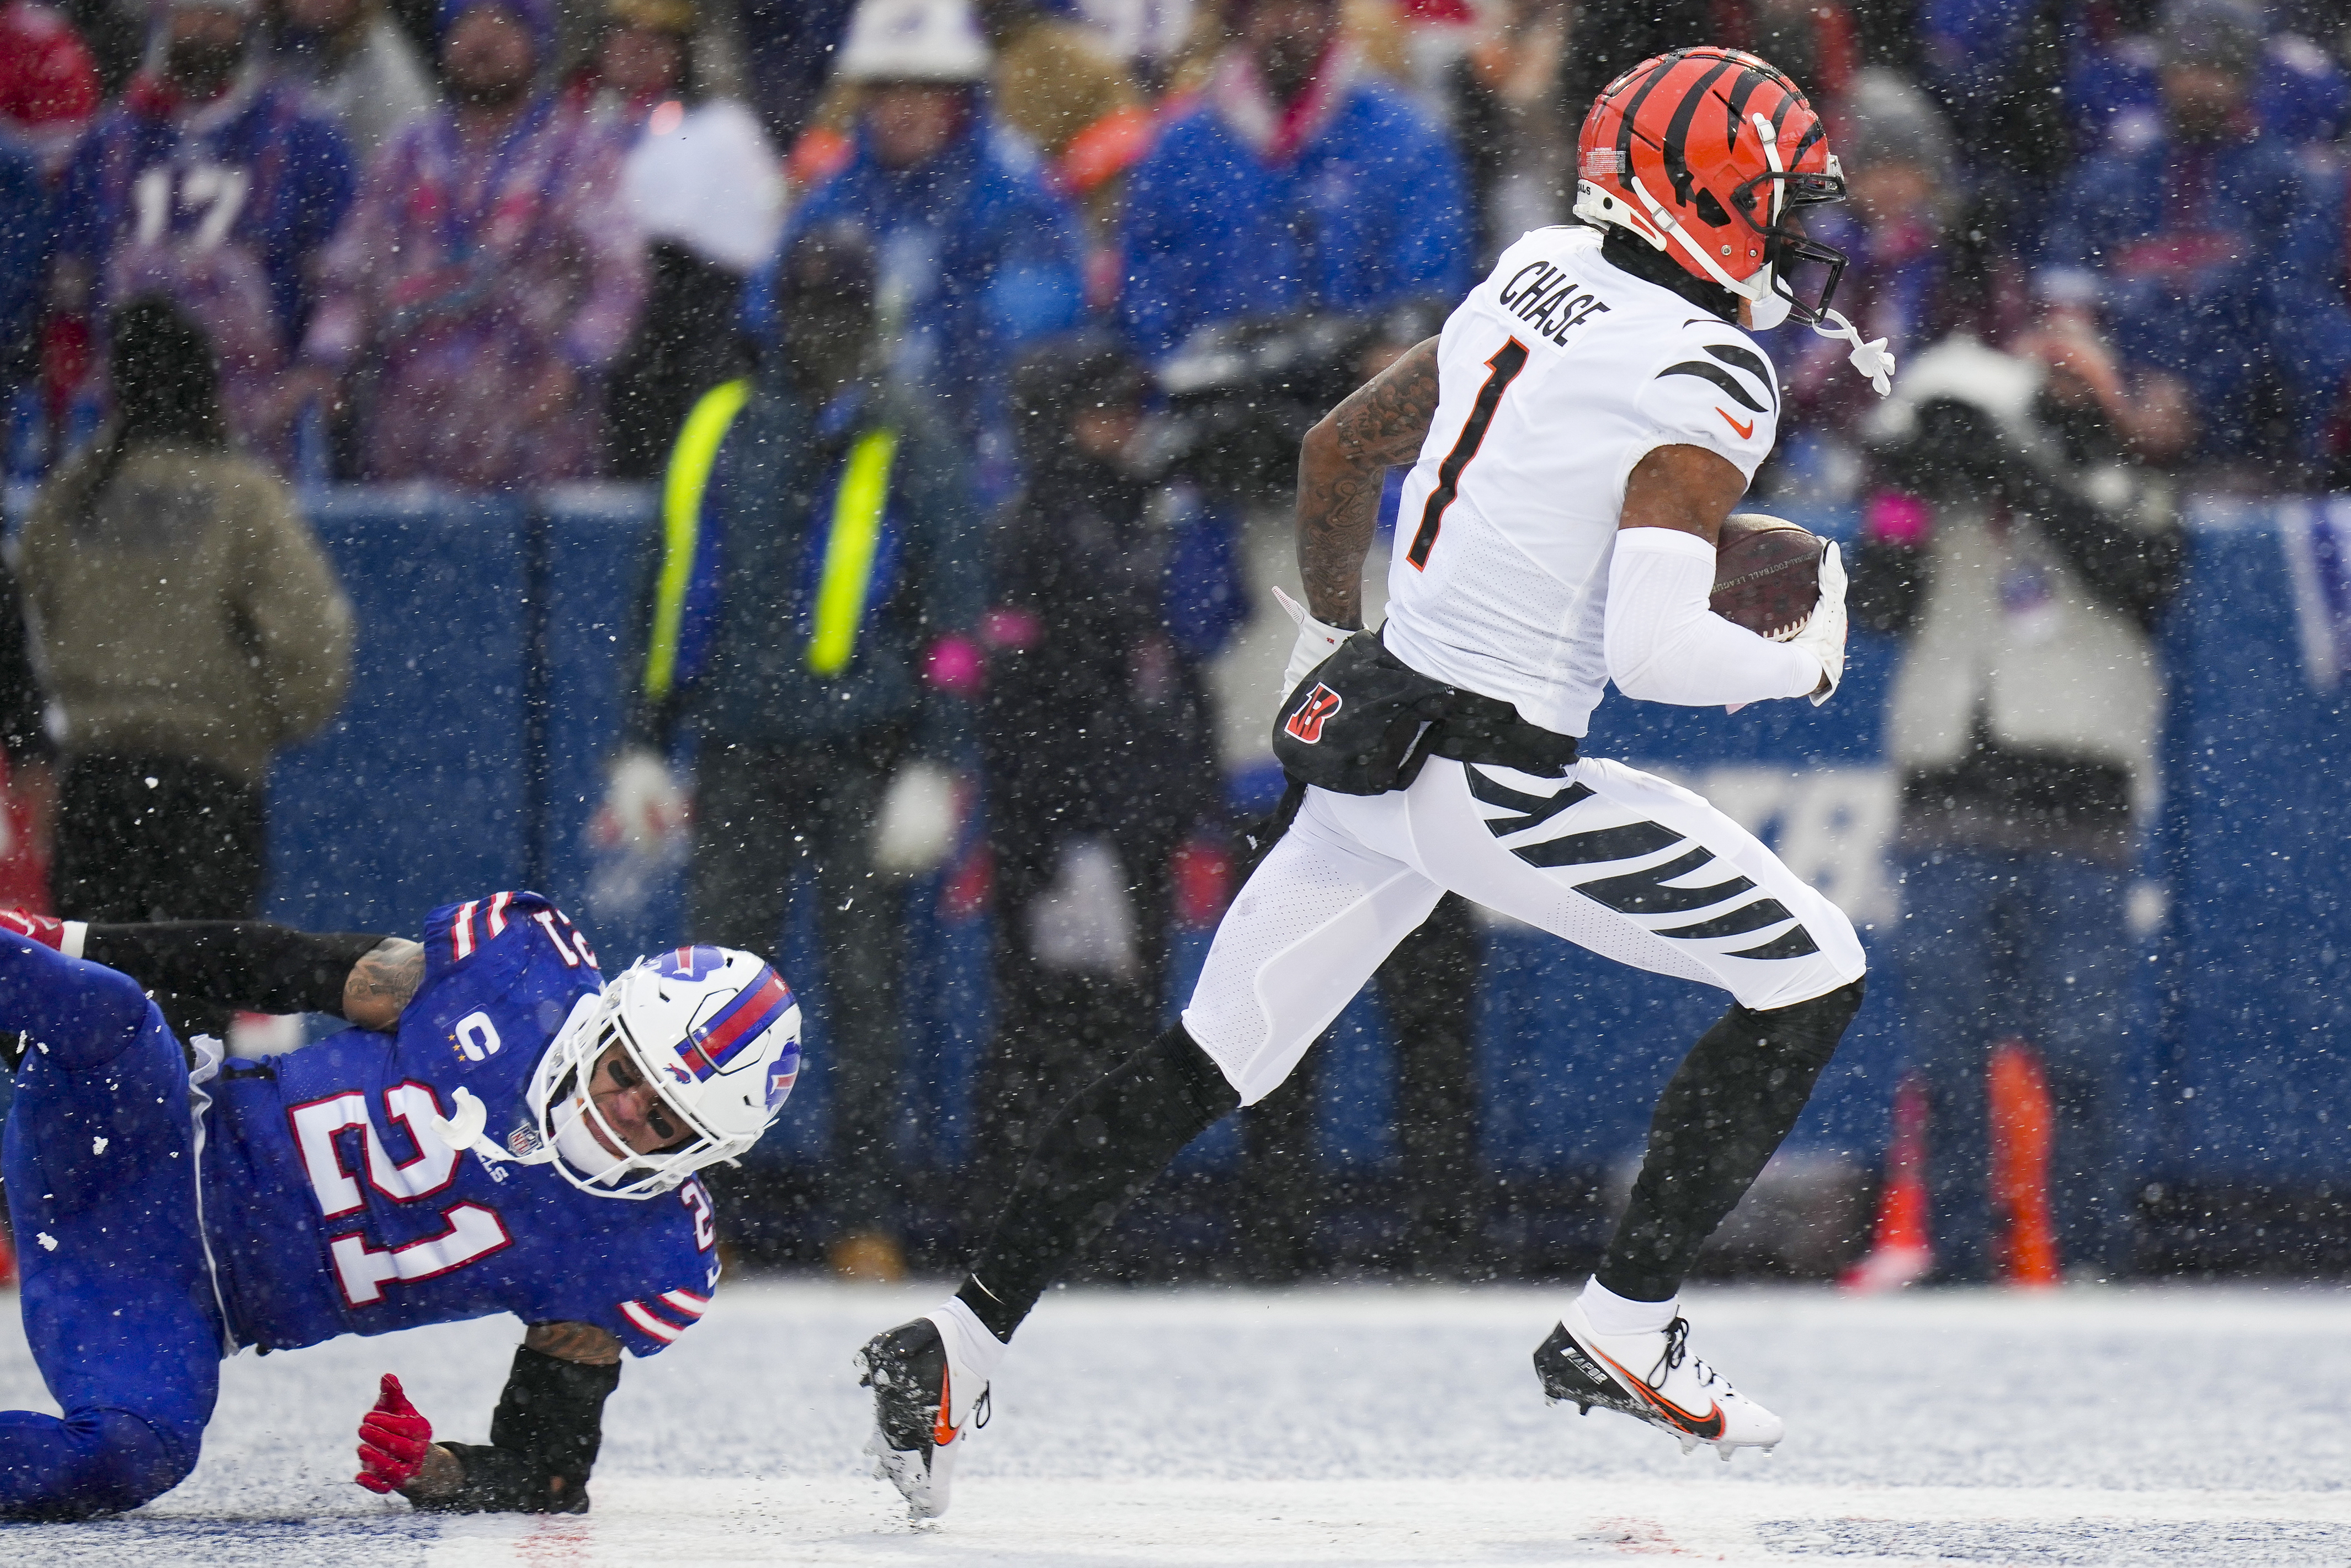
(1316,642)
(1824,631)
(643,807)
(916,827)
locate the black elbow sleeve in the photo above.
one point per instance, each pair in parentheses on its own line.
(543,1440)
(235,963)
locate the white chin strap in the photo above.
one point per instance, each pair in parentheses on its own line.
(1870,358)
(1773,306)
(462,1131)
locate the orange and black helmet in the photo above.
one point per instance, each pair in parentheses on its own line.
(1704,153)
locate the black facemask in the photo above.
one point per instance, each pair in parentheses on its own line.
(201,67)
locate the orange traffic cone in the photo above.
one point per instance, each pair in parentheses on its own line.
(1901,1252)
(2023,1127)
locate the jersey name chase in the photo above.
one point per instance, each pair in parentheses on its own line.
(1545,298)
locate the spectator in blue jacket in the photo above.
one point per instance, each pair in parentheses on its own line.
(214,187)
(978,257)
(2195,252)
(1300,182)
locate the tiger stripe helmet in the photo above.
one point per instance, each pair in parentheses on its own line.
(1704,153)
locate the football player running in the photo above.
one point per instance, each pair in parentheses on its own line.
(497,1131)
(1579,432)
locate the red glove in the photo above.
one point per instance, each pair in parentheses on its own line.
(45,929)
(394,1440)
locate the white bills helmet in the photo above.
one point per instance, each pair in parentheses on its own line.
(716,1030)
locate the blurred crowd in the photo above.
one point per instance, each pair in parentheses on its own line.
(488,243)
(966,337)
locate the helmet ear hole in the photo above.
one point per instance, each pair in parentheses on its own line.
(1711,210)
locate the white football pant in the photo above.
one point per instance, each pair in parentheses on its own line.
(1612,859)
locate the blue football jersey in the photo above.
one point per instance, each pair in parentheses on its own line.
(333,1209)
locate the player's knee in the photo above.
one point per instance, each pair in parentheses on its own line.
(84,1014)
(134,1462)
(111,1461)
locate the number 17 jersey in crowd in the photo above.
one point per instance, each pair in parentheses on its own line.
(333,1208)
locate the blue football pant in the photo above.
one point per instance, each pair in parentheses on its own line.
(100,1155)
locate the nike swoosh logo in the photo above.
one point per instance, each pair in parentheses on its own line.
(941,1433)
(1709,1425)
(1744,430)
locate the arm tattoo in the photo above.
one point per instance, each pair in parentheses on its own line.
(1341,471)
(383,982)
(1384,422)
(582,1343)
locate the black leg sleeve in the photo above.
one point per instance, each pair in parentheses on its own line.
(1108,1143)
(1737,1095)
(234,963)
(543,1440)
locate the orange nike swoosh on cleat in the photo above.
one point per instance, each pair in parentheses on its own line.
(1744,430)
(1709,1425)
(941,1433)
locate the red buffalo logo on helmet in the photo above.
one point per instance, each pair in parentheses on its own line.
(1306,723)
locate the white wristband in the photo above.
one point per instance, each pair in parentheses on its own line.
(1317,641)
(69,942)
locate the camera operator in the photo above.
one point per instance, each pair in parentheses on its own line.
(2024,560)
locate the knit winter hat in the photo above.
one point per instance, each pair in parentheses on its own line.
(1886,120)
(164,374)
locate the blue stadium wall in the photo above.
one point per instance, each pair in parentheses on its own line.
(488,685)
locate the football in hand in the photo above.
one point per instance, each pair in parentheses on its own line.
(1767,574)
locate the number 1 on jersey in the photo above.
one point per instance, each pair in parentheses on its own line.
(1503,369)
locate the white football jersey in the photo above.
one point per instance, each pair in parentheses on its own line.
(1555,376)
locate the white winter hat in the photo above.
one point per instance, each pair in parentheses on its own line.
(914,40)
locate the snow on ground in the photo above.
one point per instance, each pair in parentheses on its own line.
(1342,1424)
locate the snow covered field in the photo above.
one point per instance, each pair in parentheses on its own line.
(1340,1425)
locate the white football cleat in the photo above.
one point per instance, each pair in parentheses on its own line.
(1653,1379)
(924,1402)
